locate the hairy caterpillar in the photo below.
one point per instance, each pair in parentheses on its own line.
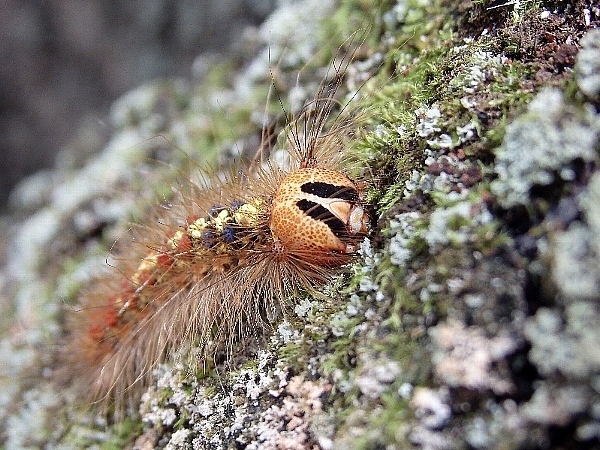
(223,259)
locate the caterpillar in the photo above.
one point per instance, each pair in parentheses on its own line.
(223,260)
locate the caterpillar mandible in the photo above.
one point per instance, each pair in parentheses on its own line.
(223,260)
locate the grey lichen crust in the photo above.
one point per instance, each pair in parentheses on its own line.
(555,135)
(472,317)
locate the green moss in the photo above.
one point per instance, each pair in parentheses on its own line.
(122,435)
(294,354)
(353,21)
(383,426)
(391,340)
(118,436)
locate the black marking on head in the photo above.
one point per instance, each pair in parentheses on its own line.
(328,190)
(318,212)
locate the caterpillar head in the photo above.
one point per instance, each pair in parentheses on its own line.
(318,216)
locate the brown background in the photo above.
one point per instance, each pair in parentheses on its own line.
(65,61)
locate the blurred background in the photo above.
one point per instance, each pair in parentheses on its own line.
(63,62)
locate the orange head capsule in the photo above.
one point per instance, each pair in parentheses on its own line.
(317,215)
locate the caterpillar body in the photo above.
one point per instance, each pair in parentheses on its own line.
(222,260)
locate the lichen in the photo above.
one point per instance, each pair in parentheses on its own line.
(556,135)
(465,357)
(471,318)
(587,68)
